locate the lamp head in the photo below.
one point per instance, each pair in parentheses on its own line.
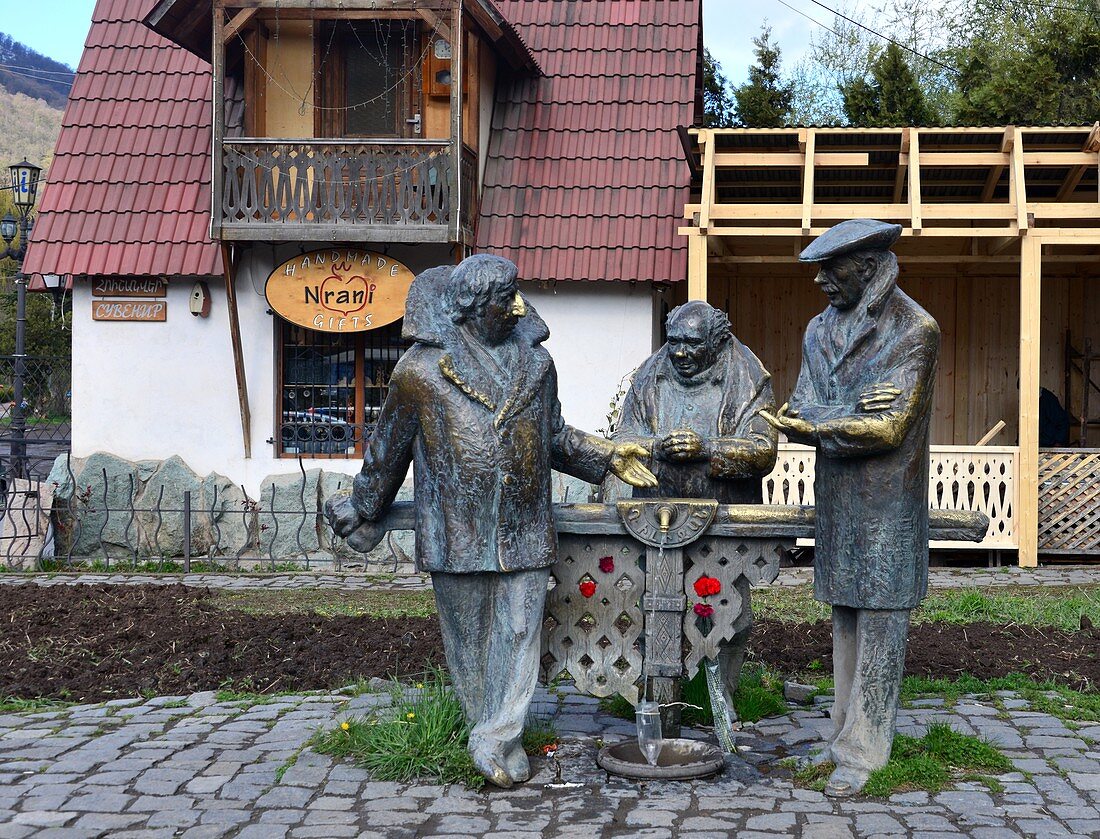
(24,184)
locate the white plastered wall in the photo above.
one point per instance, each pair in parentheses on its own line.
(153,390)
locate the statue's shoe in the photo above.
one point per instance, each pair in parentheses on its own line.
(516,764)
(491,767)
(846,781)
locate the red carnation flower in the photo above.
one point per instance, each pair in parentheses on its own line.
(706,586)
(607,564)
(704,610)
(587,587)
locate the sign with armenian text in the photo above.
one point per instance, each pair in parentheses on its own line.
(339,290)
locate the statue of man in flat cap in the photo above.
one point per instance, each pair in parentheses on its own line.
(864,400)
(695,405)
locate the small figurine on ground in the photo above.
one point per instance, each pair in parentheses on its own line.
(473,405)
(864,400)
(696,404)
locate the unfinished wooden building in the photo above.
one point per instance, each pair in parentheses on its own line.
(1000,243)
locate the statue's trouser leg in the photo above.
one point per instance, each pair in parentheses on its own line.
(464,602)
(868,701)
(500,679)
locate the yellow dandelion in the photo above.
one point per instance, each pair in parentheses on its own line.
(345,726)
(410,716)
(420,686)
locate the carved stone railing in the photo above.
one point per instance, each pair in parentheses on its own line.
(970,478)
(292,188)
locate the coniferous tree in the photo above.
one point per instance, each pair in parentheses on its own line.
(890,97)
(764,101)
(718,102)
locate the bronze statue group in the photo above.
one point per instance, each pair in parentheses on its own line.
(473,407)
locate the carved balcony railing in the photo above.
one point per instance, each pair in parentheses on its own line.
(401,190)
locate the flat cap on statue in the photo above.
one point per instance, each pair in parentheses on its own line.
(858,234)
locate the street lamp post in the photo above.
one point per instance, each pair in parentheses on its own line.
(24,186)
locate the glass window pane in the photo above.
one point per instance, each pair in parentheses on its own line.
(381,349)
(317,393)
(375,52)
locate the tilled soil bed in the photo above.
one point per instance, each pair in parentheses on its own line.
(88,643)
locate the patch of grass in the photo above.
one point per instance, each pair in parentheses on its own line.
(941,756)
(810,777)
(1046,696)
(15,705)
(327,603)
(538,734)
(1057,606)
(425,737)
(175,703)
(290,761)
(759,695)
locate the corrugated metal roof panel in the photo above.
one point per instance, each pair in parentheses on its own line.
(585,178)
(129,188)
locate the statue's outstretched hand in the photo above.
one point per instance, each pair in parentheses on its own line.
(790,423)
(341,514)
(362,535)
(627,464)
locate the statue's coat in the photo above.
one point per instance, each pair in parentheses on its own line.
(871,475)
(482,443)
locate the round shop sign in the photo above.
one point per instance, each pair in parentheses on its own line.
(339,290)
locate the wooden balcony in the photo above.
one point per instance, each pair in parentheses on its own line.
(344,189)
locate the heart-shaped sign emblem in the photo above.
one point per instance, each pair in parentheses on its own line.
(344,294)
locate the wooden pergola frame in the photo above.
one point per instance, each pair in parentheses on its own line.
(1030,188)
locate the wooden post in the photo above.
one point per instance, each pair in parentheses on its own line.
(808,181)
(230,272)
(915,219)
(706,195)
(458,44)
(697,266)
(1027,479)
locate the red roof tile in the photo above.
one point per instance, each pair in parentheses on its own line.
(586,178)
(129,188)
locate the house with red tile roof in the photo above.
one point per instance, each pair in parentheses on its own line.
(241,192)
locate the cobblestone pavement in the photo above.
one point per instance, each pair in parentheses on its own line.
(196,767)
(1057,575)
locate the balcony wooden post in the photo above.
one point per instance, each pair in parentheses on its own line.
(217,50)
(458,45)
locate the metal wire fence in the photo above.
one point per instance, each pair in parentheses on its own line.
(97,524)
(32,438)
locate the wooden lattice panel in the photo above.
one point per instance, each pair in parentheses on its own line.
(595,639)
(1069,501)
(974,478)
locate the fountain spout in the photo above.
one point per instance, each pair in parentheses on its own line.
(664,517)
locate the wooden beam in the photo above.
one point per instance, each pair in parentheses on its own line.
(915,222)
(903,166)
(994,176)
(217,59)
(458,70)
(1017,182)
(230,273)
(1073,177)
(239,21)
(697,266)
(436,22)
(1027,477)
(706,194)
(809,153)
(792,160)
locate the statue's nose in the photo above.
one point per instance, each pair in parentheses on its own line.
(519,309)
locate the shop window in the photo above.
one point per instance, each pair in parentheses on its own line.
(331,388)
(369,83)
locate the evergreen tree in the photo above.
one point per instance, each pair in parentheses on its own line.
(1029,64)
(890,97)
(717,100)
(764,101)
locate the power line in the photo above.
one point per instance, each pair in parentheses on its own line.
(811,19)
(69,73)
(32,78)
(855,22)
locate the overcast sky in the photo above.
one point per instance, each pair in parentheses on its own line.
(57,28)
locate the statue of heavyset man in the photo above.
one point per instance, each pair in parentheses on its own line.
(695,406)
(864,400)
(473,405)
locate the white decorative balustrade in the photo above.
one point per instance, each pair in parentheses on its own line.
(981,478)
